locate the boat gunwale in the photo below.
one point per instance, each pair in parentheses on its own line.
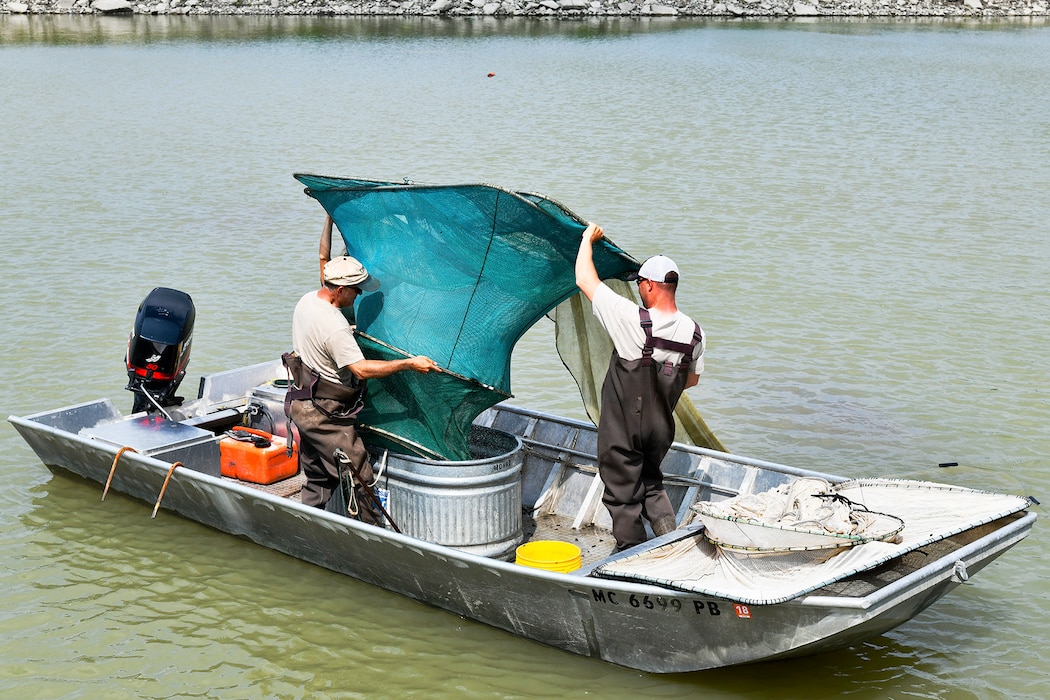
(679,446)
(995,542)
(161,467)
(883,595)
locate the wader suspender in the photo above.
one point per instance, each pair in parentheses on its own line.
(652,342)
(312,385)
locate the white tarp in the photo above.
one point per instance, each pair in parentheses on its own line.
(930,512)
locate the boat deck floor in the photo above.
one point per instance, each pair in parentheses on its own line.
(595,543)
(286,488)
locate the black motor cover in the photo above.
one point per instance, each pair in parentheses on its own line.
(159,347)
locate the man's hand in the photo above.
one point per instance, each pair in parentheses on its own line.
(423,364)
(593,232)
(586,276)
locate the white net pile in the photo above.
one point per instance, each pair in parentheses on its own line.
(930,511)
(807,504)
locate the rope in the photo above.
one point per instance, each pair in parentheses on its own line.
(113,469)
(382,468)
(164,487)
(342,458)
(346,481)
(839,498)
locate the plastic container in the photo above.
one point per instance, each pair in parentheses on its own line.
(256,461)
(551,555)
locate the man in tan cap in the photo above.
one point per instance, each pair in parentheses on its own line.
(329,372)
(659,352)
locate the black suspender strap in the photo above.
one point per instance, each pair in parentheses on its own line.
(647,326)
(652,342)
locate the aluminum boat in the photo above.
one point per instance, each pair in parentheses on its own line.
(673,604)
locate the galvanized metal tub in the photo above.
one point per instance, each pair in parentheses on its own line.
(474,506)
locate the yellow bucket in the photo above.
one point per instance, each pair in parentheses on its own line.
(561,557)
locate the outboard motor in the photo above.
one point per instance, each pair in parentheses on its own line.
(159,348)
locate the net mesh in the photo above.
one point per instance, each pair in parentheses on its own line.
(465,271)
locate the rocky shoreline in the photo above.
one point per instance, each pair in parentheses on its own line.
(555,9)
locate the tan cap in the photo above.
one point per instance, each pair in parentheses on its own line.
(345,271)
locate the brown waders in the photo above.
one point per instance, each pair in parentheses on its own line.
(635,432)
(326,415)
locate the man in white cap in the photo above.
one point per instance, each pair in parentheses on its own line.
(659,352)
(329,372)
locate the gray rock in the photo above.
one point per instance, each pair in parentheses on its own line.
(549,8)
(111,6)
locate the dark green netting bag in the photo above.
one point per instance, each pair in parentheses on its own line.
(426,415)
(465,271)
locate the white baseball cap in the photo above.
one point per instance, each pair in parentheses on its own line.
(658,268)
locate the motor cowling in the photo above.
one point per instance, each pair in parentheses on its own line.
(159,348)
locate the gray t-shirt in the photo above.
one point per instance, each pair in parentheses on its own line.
(619,316)
(323,339)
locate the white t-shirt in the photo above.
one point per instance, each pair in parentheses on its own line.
(323,339)
(619,316)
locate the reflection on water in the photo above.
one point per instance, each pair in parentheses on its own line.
(139,29)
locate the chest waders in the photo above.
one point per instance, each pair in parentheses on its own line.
(636,430)
(325,413)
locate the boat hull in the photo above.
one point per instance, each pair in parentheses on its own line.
(640,626)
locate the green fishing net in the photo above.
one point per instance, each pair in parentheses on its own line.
(465,271)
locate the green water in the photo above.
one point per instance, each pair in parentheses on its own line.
(859,210)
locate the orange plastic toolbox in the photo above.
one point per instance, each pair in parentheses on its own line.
(257,456)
